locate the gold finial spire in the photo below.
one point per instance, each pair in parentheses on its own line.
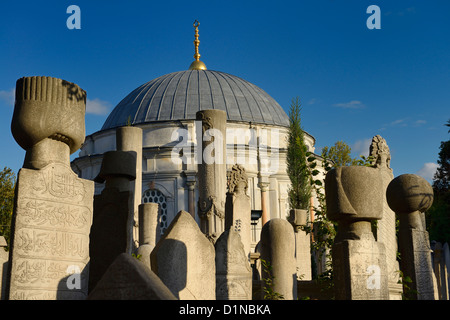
(197,64)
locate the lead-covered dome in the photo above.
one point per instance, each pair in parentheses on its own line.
(179,95)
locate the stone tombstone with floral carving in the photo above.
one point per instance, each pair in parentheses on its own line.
(53,211)
(238,206)
(233,272)
(385,231)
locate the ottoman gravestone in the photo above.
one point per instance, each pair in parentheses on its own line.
(354,198)
(212,174)
(53,208)
(409,196)
(385,231)
(238,206)
(233,272)
(278,251)
(184,259)
(112,209)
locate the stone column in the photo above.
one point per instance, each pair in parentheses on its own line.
(109,232)
(264,186)
(191,197)
(354,198)
(211,147)
(130,139)
(52,214)
(298,218)
(410,195)
(278,250)
(238,207)
(148,230)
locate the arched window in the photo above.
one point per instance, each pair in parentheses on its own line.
(156,196)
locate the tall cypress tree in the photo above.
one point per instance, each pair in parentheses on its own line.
(300,191)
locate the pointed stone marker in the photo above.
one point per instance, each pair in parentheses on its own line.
(129,279)
(184,260)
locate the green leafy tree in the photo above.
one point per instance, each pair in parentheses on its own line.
(7,186)
(441,180)
(297,168)
(339,154)
(438,216)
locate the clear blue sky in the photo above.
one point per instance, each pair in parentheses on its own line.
(353,82)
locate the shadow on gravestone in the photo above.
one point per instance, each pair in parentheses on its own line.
(184,260)
(75,281)
(171,265)
(129,279)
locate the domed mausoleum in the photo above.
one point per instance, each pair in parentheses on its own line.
(165,109)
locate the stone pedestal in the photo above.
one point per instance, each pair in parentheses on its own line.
(211,159)
(359,268)
(233,272)
(410,196)
(354,198)
(278,250)
(109,231)
(53,210)
(298,218)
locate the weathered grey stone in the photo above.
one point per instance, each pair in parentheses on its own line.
(112,208)
(354,192)
(278,250)
(410,196)
(3,266)
(233,272)
(446,262)
(129,279)
(440,271)
(211,146)
(184,260)
(119,165)
(48,120)
(53,211)
(385,231)
(299,218)
(409,193)
(354,198)
(129,139)
(238,207)
(148,230)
